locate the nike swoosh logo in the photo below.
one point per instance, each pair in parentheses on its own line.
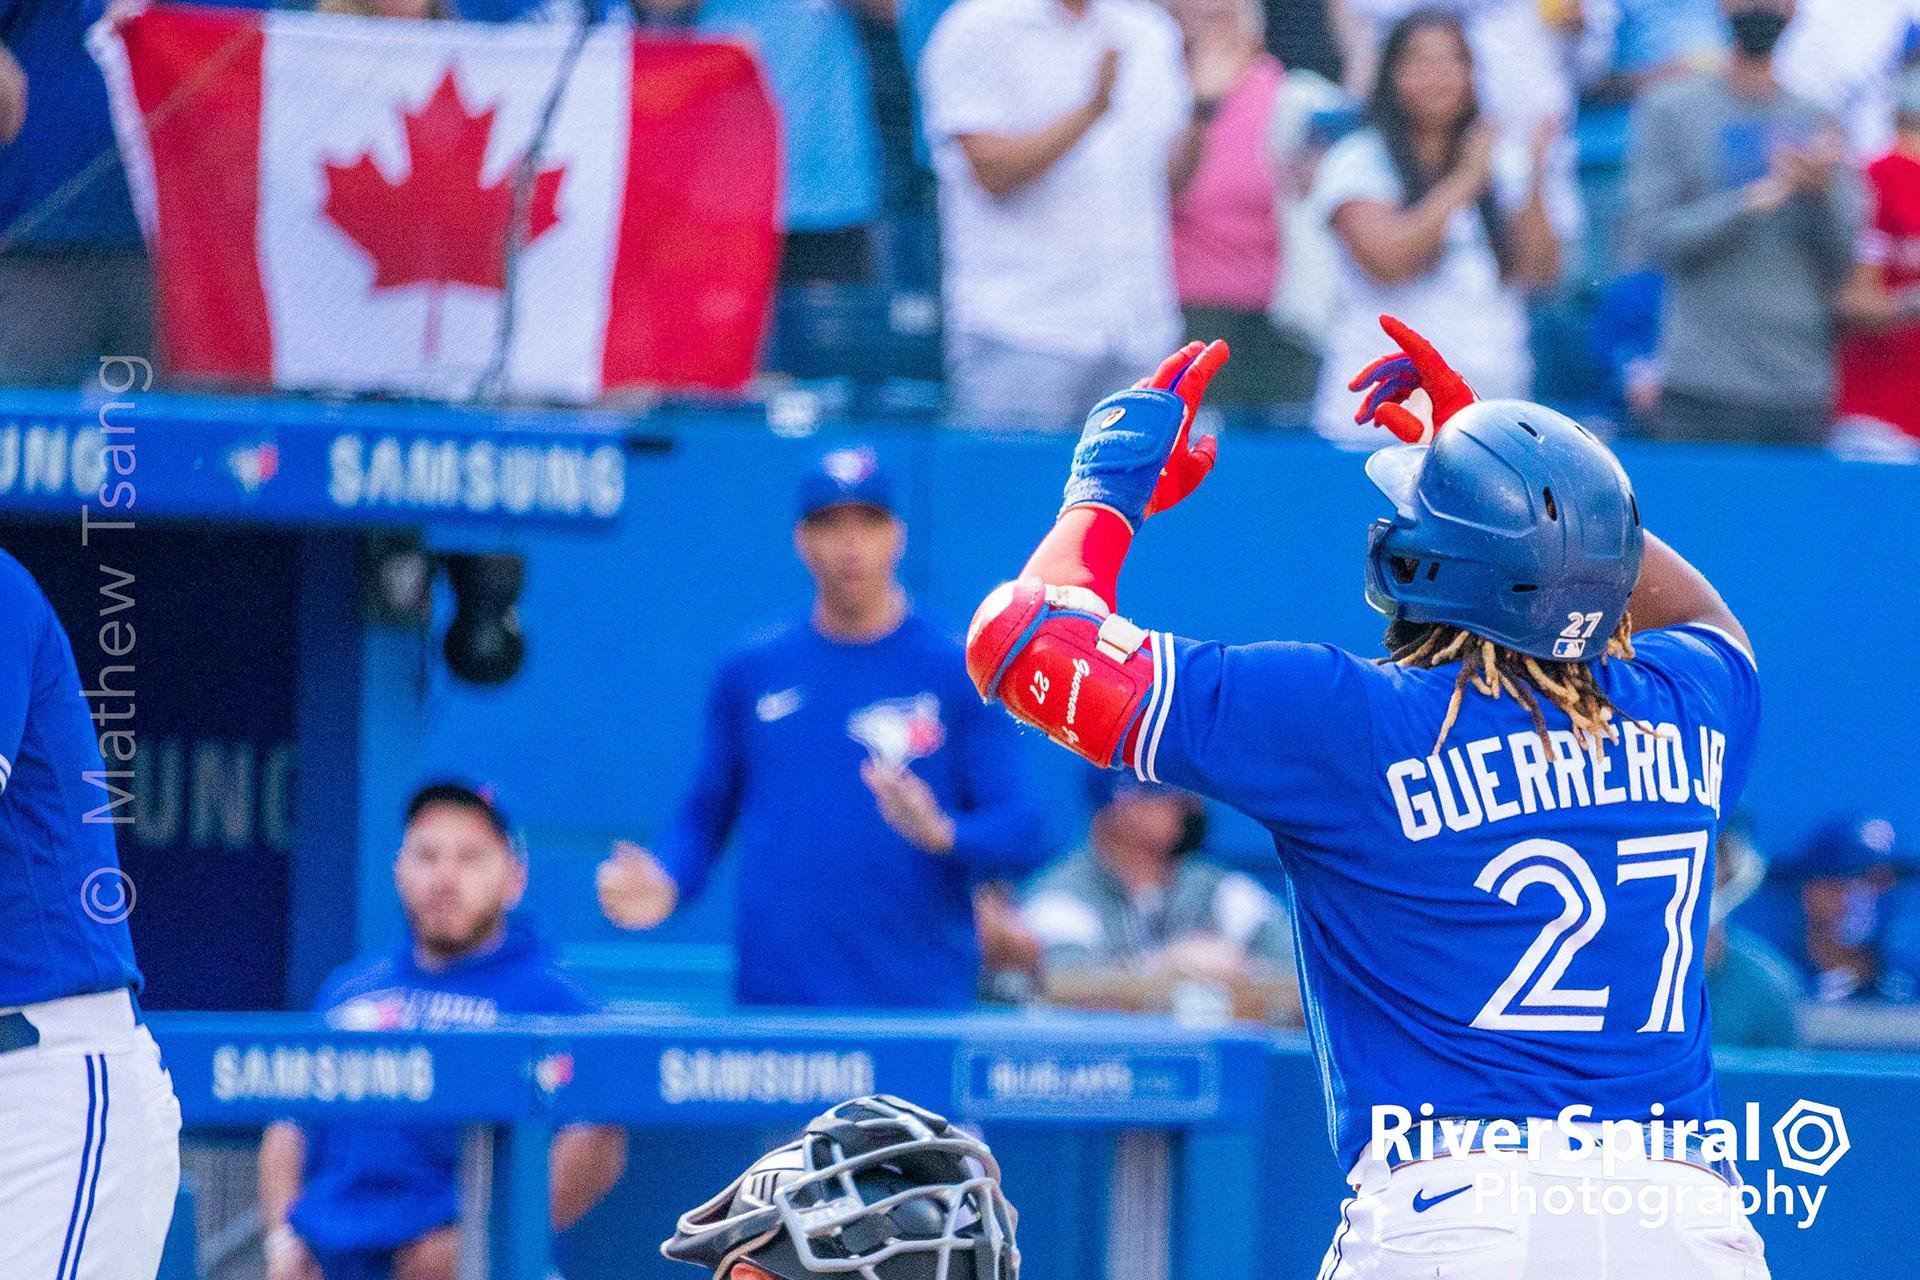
(1423,1202)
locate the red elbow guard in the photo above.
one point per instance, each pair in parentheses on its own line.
(1062,663)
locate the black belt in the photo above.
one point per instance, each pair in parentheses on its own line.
(17,1033)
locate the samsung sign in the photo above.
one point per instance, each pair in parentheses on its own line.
(299,462)
(479,476)
(323,1073)
(764,1076)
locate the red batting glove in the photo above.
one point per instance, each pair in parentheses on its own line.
(1186,373)
(1394,377)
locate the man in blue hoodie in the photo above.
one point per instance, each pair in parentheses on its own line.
(366,1200)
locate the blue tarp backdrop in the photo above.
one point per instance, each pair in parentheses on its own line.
(597,735)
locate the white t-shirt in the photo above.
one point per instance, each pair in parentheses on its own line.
(1478,321)
(1079,261)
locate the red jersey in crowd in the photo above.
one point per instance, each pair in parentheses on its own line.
(1878,369)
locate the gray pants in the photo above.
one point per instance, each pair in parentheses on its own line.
(991,383)
(60,312)
(1685,415)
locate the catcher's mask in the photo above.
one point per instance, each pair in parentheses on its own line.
(876,1186)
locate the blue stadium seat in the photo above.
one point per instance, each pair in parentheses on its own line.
(855,331)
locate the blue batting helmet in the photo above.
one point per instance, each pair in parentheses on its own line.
(1515,524)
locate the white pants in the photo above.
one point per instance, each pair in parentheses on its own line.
(1484,1217)
(89,1146)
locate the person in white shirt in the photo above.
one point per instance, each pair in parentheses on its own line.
(1054,126)
(1562,44)
(1437,215)
(1846,56)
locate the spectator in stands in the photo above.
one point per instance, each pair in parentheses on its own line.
(1659,40)
(1555,41)
(1138,911)
(365,1200)
(1054,125)
(1880,357)
(819,77)
(1440,222)
(1226,245)
(74,281)
(1845,56)
(1304,35)
(851,755)
(1845,874)
(1739,193)
(1751,988)
(818,73)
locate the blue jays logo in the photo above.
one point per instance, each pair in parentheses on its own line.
(386,1012)
(253,465)
(849,467)
(899,730)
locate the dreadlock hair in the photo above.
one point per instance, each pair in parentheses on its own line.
(1493,668)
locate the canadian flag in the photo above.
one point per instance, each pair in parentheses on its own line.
(330,200)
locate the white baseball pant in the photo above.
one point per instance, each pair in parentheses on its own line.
(1485,1217)
(89,1145)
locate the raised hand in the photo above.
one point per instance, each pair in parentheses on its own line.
(1389,380)
(1186,373)
(635,891)
(1134,456)
(908,805)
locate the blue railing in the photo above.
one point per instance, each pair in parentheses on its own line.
(1240,1185)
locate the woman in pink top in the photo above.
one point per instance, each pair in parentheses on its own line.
(1226,241)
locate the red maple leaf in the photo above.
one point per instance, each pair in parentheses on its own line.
(439,225)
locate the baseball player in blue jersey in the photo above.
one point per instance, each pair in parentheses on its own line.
(1497,835)
(89,1129)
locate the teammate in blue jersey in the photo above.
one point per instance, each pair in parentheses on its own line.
(1499,836)
(851,762)
(378,1200)
(89,1129)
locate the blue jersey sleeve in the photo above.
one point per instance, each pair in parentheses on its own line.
(22,632)
(1276,730)
(996,828)
(707,814)
(1718,675)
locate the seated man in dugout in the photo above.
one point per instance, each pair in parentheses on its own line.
(1139,919)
